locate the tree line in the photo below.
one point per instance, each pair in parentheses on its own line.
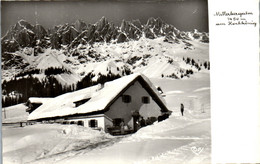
(19,90)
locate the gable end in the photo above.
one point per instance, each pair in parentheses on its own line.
(147,87)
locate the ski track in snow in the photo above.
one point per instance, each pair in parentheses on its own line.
(84,148)
(174,149)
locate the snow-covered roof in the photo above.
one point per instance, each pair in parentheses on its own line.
(39,100)
(100,98)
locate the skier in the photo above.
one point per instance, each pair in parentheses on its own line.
(182,109)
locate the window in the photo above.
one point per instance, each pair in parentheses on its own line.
(126,98)
(81,123)
(80,102)
(145,100)
(93,123)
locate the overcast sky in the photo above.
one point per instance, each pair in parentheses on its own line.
(185,15)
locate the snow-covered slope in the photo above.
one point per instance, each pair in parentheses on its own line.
(152,57)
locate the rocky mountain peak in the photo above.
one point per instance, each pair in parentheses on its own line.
(39,31)
(23,23)
(150,22)
(79,32)
(137,23)
(80,25)
(125,25)
(101,23)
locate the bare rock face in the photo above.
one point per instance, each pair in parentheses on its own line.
(137,24)
(132,30)
(159,23)
(124,26)
(55,41)
(26,24)
(53,30)
(90,34)
(105,31)
(80,25)
(63,34)
(121,38)
(101,31)
(158,27)
(19,35)
(169,30)
(22,24)
(39,31)
(150,22)
(26,38)
(112,33)
(205,38)
(183,35)
(11,61)
(101,24)
(171,39)
(148,33)
(80,39)
(68,36)
(10,46)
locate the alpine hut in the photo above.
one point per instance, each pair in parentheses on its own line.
(120,106)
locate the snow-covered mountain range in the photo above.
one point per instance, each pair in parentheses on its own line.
(71,52)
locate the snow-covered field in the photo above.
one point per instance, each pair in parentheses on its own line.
(179,139)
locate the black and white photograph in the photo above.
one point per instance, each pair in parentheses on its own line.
(97,82)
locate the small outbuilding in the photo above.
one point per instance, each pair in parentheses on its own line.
(120,106)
